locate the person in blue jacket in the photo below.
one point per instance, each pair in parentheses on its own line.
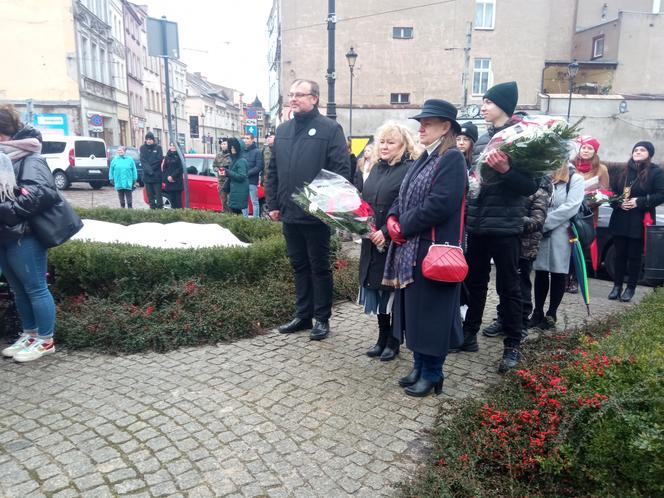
(123,176)
(237,174)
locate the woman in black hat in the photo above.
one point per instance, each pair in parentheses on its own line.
(428,209)
(642,184)
(465,141)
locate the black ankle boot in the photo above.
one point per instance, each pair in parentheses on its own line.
(615,292)
(469,343)
(384,331)
(424,387)
(411,378)
(627,296)
(391,350)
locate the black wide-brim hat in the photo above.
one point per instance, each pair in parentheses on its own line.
(437,108)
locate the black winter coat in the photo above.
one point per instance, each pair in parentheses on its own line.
(254,158)
(428,311)
(173,168)
(648,195)
(499,208)
(37,193)
(380,191)
(151,157)
(302,147)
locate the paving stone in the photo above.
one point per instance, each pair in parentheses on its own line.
(269,416)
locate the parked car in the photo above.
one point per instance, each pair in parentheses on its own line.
(132,152)
(76,159)
(605,248)
(203,190)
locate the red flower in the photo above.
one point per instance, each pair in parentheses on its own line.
(149,310)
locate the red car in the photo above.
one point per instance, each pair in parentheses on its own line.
(203,190)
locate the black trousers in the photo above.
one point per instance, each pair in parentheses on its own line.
(526,285)
(154,195)
(542,287)
(175,198)
(124,194)
(505,252)
(309,254)
(629,253)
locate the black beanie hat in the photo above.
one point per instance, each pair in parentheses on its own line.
(149,136)
(646,145)
(470,130)
(504,95)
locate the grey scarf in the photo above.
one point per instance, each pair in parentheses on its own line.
(12,151)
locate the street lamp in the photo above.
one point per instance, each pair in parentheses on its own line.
(176,103)
(351,57)
(572,70)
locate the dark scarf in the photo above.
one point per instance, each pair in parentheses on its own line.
(402,259)
(302,119)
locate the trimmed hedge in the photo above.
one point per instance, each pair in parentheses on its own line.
(97,268)
(124,298)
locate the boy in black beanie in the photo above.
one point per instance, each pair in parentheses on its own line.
(494,225)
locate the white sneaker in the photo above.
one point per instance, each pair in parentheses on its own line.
(21,342)
(34,350)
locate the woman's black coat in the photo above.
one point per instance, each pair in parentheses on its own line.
(428,311)
(649,195)
(173,168)
(380,190)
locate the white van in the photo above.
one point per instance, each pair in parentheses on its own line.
(76,159)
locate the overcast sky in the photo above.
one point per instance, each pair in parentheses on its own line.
(226,40)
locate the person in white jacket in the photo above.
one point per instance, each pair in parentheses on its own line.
(552,263)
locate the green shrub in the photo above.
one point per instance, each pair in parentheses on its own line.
(185,313)
(583,417)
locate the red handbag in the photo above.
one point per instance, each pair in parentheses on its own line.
(445,262)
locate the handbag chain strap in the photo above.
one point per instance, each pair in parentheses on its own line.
(463,209)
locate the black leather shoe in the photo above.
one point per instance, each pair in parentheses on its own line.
(410,379)
(389,353)
(615,292)
(535,320)
(320,331)
(494,329)
(469,344)
(511,358)
(424,387)
(295,325)
(377,350)
(627,296)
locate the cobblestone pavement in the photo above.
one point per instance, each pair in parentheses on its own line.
(82,195)
(270,416)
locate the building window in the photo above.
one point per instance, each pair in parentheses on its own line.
(481,76)
(399,98)
(402,33)
(485,13)
(598,47)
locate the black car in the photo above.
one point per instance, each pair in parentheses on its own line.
(132,152)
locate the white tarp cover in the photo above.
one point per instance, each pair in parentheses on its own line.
(179,235)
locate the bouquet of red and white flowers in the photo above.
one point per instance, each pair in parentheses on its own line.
(536,146)
(336,202)
(602,196)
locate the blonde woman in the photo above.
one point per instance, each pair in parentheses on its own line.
(392,155)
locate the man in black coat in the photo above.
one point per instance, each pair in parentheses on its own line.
(302,147)
(494,224)
(151,158)
(254,157)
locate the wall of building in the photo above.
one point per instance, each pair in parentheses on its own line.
(582,48)
(616,132)
(42,44)
(641,68)
(593,12)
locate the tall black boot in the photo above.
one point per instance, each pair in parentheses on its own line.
(384,331)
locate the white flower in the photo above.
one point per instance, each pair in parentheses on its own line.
(313,207)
